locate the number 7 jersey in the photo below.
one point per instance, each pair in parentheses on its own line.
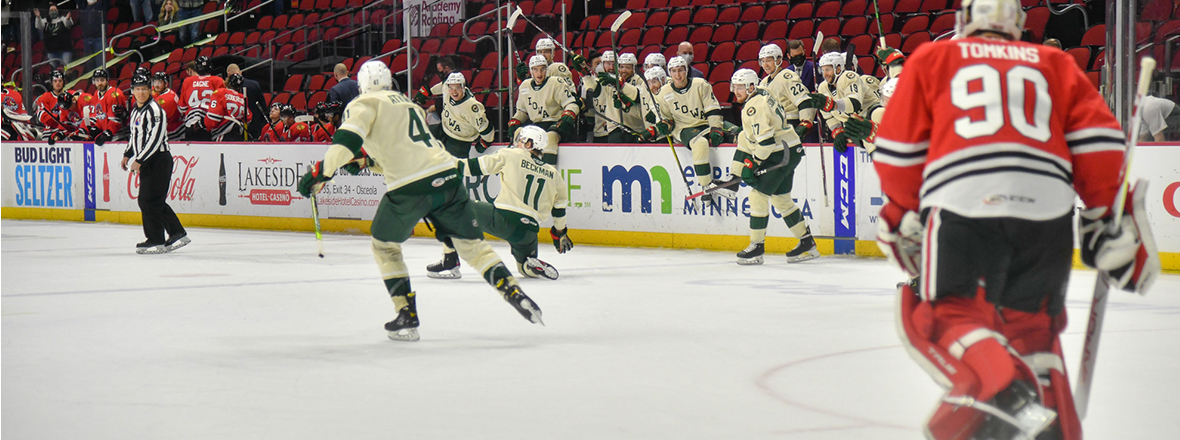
(993,128)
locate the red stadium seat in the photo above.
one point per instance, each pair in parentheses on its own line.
(915,24)
(591,22)
(722,92)
(864,43)
(603,41)
(802,29)
(855,8)
(223,50)
(483,80)
(431,46)
(176,55)
(1095,36)
(828,9)
(655,48)
(630,37)
(636,4)
(866,63)
(654,35)
(322,5)
(636,21)
(607,21)
(939,5)
(724,51)
(281,98)
(801,10)
(749,31)
(221,39)
(703,67)
(829,26)
(914,40)
(1168,29)
(1099,60)
(299,101)
(317,82)
(775,30)
(657,4)
(526,7)
(705,15)
(467,48)
(657,19)
(677,3)
(294,83)
(316,98)
(280,22)
(450,46)
(753,65)
(680,17)
(886,24)
(907,6)
(725,32)
(702,2)
(894,40)
(729,14)
(1081,55)
(854,26)
(236,38)
(749,50)
(295,21)
(700,33)
(776,12)
(721,72)
(753,13)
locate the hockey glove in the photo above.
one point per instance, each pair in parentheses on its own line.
(646,135)
(821,101)
(480,145)
(1127,255)
(567,121)
(715,136)
(889,55)
(578,63)
(662,128)
(313,180)
(840,140)
(561,240)
(522,71)
(748,173)
(607,79)
(622,101)
(899,235)
(355,166)
(861,129)
(803,128)
(513,125)
(421,95)
(103,137)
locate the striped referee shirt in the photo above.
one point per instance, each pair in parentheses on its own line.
(149,131)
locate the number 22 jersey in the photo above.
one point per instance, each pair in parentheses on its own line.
(993,128)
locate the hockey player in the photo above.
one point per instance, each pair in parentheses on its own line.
(226,111)
(12,100)
(530,191)
(446,66)
(194,99)
(63,120)
(610,101)
(47,103)
(168,101)
(464,121)
(294,128)
(274,132)
(690,112)
(654,60)
(547,103)
(633,114)
(322,130)
(654,80)
(784,85)
(985,146)
(842,93)
(385,131)
(16,123)
(111,111)
(546,47)
(769,145)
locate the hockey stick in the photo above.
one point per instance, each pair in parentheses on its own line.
(756,173)
(315,216)
(880,32)
(819,119)
(1102,284)
(614,33)
(658,116)
(519,13)
(625,128)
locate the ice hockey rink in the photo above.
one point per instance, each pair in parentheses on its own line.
(248,335)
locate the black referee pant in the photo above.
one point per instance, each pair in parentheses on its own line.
(154,177)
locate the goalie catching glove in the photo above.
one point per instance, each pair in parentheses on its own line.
(561,239)
(1127,255)
(899,235)
(313,180)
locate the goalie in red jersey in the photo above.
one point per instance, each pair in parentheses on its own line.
(981,152)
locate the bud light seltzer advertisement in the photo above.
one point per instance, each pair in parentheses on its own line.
(38,175)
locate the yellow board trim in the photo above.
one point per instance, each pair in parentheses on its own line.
(1169,260)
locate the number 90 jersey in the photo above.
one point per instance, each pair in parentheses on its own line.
(528,186)
(994,128)
(393,133)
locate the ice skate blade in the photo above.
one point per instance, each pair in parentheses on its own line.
(445,275)
(750,261)
(809,255)
(157,249)
(403,335)
(534,313)
(182,242)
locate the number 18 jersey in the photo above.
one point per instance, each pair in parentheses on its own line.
(994,128)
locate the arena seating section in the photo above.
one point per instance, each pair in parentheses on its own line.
(726,34)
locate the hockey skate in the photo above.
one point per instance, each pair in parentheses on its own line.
(405,327)
(805,250)
(535,268)
(150,248)
(177,242)
(1028,417)
(752,254)
(447,268)
(521,302)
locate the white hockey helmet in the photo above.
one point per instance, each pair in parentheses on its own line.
(743,78)
(608,56)
(770,51)
(538,60)
(535,134)
(653,73)
(544,44)
(455,78)
(374,76)
(677,62)
(655,59)
(834,59)
(1005,17)
(628,58)
(887,89)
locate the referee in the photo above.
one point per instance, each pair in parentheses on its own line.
(148,152)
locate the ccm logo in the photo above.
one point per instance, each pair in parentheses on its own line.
(1170,199)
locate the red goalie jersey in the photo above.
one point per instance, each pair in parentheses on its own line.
(990,128)
(226,110)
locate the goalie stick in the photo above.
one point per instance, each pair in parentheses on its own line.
(1102,283)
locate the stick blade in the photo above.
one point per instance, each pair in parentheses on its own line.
(819,39)
(512,18)
(614,27)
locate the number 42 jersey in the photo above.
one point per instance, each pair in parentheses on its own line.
(993,128)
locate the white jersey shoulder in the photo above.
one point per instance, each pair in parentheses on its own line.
(394,134)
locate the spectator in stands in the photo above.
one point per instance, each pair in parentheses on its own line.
(56,32)
(1157,113)
(685,51)
(254,101)
(189,9)
(141,11)
(1052,42)
(345,89)
(93,15)
(800,65)
(168,12)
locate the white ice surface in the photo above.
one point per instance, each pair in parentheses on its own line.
(248,335)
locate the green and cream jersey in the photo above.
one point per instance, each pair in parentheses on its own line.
(392,131)
(633,118)
(559,70)
(788,89)
(859,92)
(764,126)
(528,186)
(602,97)
(544,102)
(465,119)
(691,106)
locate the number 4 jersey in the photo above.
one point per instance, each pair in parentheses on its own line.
(992,128)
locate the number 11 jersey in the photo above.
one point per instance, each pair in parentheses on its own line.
(993,128)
